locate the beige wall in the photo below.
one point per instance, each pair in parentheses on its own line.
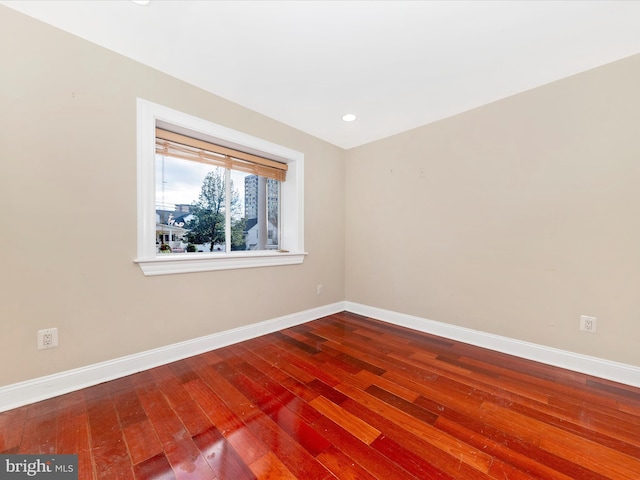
(514,218)
(68,197)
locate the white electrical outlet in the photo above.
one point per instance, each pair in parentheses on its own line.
(319,289)
(47,338)
(588,324)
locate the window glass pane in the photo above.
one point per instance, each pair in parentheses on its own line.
(257,222)
(190,206)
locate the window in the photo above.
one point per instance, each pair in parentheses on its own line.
(211,198)
(214,199)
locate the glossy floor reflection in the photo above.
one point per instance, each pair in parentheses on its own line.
(341,397)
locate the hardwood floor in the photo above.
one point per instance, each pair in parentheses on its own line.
(341,397)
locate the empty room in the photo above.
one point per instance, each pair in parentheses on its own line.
(320,240)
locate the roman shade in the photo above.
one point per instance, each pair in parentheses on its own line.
(188,148)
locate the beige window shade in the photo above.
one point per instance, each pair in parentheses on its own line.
(187,148)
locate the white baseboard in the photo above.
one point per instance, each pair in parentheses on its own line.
(42,388)
(30,391)
(597,367)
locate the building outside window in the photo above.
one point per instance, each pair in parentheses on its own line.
(261,206)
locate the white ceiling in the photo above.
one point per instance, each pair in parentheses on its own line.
(397,65)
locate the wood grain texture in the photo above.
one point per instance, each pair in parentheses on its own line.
(342,397)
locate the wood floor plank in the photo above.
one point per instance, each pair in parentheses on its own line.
(364,455)
(73,438)
(11,428)
(416,411)
(294,456)
(514,449)
(129,409)
(342,466)
(299,360)
(410,445)
(422,466)
(248,446)
(108,449)
(507,450)
(291,454)
(285,398)
(594,457)
(142,441)
(357,427)
(221,456)
(166,423)
(379,381)
(275,408)
(341,397)
(266,351)
(609,432)
(465,453)
(269,467)
(191,415)
(39,434)
(156,467)
(280,379)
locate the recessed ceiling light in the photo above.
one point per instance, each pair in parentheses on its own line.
(349,117)
(141,2)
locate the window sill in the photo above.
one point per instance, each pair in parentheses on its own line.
(174,263)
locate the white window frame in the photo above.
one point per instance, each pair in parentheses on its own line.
(291,206)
